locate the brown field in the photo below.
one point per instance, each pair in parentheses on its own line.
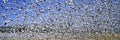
(70,37)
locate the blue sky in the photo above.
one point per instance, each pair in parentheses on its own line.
(11,4)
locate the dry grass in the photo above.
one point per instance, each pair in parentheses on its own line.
(75,37)
(102,37)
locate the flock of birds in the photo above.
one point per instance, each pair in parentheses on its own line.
(84,16)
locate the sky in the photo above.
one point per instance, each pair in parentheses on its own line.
(19,9)
(12,13)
